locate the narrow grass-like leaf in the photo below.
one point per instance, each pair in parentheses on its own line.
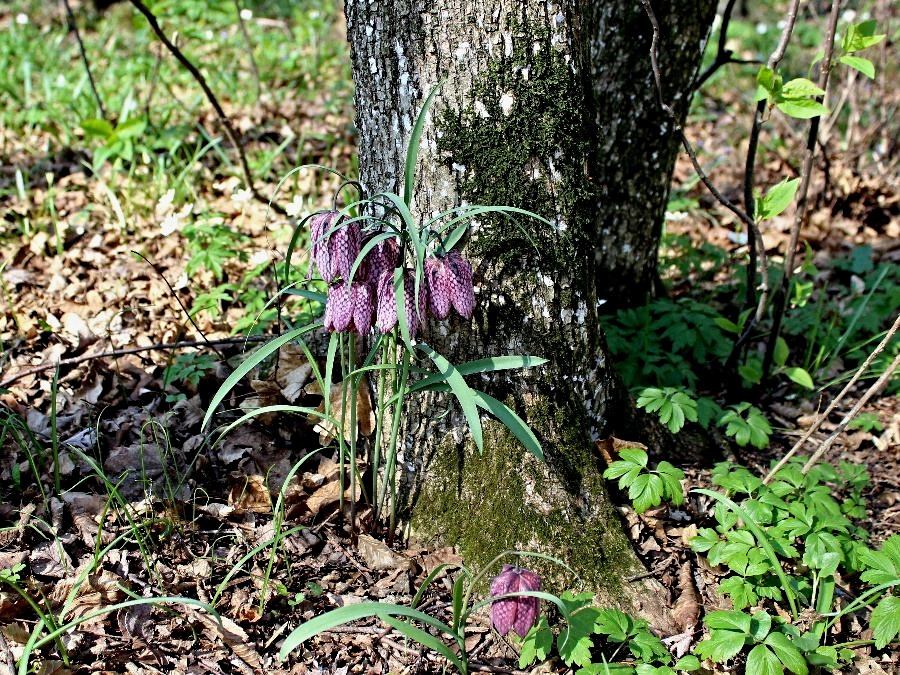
(425,639)
(464,394)
(511,421)
(348,614)
(429,580)
(488,365)
(250,363)
(412,150)
(278,408)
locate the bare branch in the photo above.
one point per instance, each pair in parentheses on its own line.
(850,416)
(679,132)
(750,164)
(724,56)
(837,399)
(213,101)
(73,28)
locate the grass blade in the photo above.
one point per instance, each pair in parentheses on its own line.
(348,614)
(249,364)
(464,394)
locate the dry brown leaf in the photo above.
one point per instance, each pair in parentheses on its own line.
(365,417)
(86,510)
(325,497)
(379,556)
(686,611)
(609,448)
(232,635)
(249,493)
(442,556)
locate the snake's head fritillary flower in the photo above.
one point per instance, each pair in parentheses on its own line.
(384,256)
(335,245)
(439,283)
(449,282)
(386,311)
(518,613)
(363,307)
(462,289)
(349,307)
(319,225)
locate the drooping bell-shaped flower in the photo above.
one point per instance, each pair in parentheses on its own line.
(518,613)
(384,256)
(349,307)
(335,245)
(439,282)
(449,282)
(386,311)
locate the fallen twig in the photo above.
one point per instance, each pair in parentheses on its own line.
(161,346)
(837,399)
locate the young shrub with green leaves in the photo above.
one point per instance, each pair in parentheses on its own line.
(646,488)
(785,542)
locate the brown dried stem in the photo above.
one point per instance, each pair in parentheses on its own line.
(161,346)
(837,399)
(73,28)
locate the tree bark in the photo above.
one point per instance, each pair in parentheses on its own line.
(635,153)
(515,123)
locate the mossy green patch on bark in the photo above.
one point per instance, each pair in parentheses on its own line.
(505,499)
(522,141)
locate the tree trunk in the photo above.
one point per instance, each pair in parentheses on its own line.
(635,152)
(514,123)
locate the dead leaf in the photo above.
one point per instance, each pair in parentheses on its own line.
(686,611)
(325,497)
(232,635)
(365,417)
(249,493)
(379,556)
(609,448)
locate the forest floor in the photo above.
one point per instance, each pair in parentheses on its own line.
(137,259)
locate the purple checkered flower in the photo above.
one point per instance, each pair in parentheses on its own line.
(335,245)
(438,279)
(349,307)
(449,281)
(384,256)
(386,311)
(517,613)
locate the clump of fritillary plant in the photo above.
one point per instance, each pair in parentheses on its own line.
(384,276)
